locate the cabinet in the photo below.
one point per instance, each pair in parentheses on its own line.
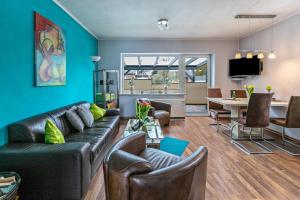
(106,88)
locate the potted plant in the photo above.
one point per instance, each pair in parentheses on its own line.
(166,83)
(269,88)
(249,89)
(131,85)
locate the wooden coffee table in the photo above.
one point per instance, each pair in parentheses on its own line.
(153,131)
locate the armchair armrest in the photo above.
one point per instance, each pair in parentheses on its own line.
(133,144)
(120,167)
(60,171)
(189,172)
(161,106)
(112,112)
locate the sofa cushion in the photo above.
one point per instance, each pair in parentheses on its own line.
(159,159)
(107,121)
(96,142)
(86,116)
(97,111)
(96,137)
(52,134)
(75,120)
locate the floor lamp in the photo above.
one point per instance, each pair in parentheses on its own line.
(95,60)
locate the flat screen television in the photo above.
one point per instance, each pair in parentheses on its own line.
(245,67)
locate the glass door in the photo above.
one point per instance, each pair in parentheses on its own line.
(197,80)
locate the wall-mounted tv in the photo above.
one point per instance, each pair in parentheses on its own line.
(245,67)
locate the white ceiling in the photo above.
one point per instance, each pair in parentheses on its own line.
(188,19)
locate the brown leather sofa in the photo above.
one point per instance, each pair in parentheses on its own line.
(60,171)
(161,111)
(134,172)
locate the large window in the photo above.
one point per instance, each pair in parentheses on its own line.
(161,73)
(151,74)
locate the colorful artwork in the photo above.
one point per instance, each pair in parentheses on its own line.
(50,53)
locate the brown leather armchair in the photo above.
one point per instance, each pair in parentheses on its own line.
(161,111)
(134,172)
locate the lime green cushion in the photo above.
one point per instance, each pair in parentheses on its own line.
(97,111)
(52,134)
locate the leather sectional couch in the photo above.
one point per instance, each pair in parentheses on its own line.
(60,171)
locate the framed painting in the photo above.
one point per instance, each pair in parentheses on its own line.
(50,53)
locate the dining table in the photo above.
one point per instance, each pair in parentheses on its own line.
(235,106)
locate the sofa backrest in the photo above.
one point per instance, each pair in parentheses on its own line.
(33,129)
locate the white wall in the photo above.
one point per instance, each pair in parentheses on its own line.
(221,50)
(283,73)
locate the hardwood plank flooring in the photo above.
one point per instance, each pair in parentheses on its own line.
(232,175)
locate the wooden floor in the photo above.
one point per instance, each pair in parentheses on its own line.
(232,175)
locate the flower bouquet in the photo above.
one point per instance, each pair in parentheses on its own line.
(142,109)
(249,89)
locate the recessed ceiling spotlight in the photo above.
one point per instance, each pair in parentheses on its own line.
(163,24)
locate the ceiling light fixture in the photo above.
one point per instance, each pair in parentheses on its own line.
(272,54)
(238,54)
(163,24)
(260,55)
(251,44)
(249,54)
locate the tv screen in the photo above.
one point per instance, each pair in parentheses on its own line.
(245,67)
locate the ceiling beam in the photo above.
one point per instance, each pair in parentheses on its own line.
(202,63)
(190,61)
(139,60)
(172,61)
(156,61)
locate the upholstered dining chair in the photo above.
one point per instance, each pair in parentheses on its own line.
(257,117)
(240,94)
(215,110)
(134,172)
(292,120)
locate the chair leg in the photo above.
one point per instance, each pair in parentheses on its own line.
(285,140)
(263,139)
(283,147)
(218,125)
(247,150)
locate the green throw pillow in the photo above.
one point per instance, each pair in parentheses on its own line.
(52,134)
(97,111)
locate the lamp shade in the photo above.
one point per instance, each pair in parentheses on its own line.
(95,58)
(249,55)
(272,55)
(260,55)
(238,55)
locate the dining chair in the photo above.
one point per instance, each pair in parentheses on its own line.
(215,110)
(238,93)
(257,117)
(292,120)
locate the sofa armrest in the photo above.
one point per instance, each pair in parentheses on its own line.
(60,171)
(112,112)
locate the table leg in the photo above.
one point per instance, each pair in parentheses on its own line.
(235,113)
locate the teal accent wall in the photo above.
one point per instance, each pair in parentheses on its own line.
(18,96)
